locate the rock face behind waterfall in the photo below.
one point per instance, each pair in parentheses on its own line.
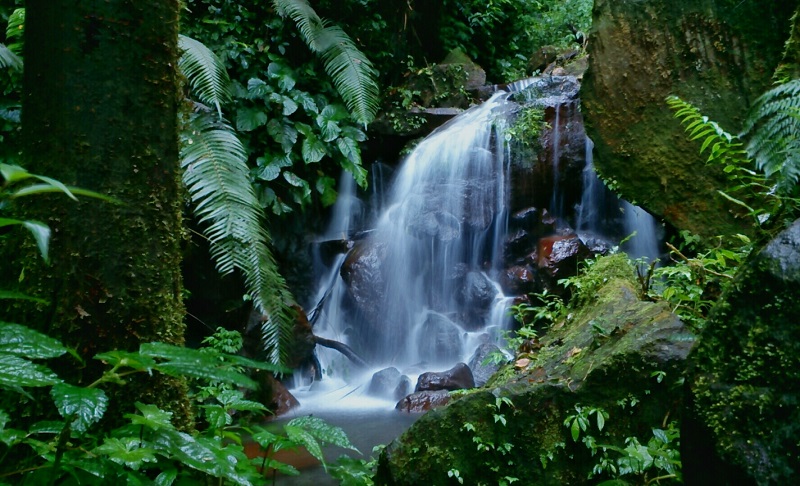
(604,356)
(717,54)
(742,424)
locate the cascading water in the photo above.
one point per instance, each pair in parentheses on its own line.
(423,289)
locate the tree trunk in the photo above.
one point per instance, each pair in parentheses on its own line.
(100,100)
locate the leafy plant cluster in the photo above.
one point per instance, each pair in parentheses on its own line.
(148,448)
(495,452)
(297,133)
(655,462)
(502,34)
(10,80)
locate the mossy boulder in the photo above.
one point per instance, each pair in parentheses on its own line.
(742,423)
(717,54)
(604,356)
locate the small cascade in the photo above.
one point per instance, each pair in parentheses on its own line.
(602,214)
(557,201)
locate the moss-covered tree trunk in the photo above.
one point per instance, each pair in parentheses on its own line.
(100,106)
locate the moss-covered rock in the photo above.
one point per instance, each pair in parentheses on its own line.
(742,424)
(709,52)
(603,356)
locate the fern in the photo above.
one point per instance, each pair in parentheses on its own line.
(774,130)
(727,151)
(8,59)
(206,73)
(351,71)
(216,175)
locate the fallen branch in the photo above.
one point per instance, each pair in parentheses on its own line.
(342,348)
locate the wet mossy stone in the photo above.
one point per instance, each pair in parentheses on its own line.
(606,353)
(742,422)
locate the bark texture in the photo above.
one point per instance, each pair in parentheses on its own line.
(100,112)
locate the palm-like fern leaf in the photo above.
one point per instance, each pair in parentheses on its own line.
(352,73)
(8,59)
(216,175)
(208,78)
(774,130)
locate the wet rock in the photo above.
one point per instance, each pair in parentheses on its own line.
(456,378)
(362,271)
(439,340)
(558,256)
(704,52)
(274,394)
(742,422)
(384,382)
(519,280)
(477,291)
(573,366)
(481,371)
(424,401)
(403,388)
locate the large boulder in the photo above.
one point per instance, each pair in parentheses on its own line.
(458,377)
(742,422)
(608,355)
(712,53)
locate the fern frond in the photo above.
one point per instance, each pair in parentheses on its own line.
(208,78)
(14,31)
(773,127)
(8,59)
(352,73)
(215,172)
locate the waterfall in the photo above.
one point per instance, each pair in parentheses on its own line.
(424,292)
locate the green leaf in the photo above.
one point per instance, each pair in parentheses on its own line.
(7,294)
(27,343)
(193,363)
(283,74)
(257,88)
(601,420)
(248,119)
(234,400)
(16,372)
(166,478)
(326,187)
(129,360)
(575,430)
(323,431)
(349,148)
(151,417)
(283,133)
(206,73)
(126,451)
(217,417)
(83,405)
(304,438)
(313,149)
(40,232)
(306,101)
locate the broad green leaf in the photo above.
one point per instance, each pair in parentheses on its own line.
(323,431)
(16,372)
(166,478)
(283,133)
(326,187)
(83,405)
(304,438)
(283,74)
(126,451)
(248,119)
(355,133)
(13,173)
(302,184)
(234,400)
(237,360)
(575,430)
(193,363)
(135,361)
(601,420)
(40,232)
(151,417)
(306,101)
(257,88)
(27,343)
(217,417)
(288,105)
(349,148)
(359,173)
(7,294)
(268,172)
(328,128)
(313,149)
(661,435)
(47,427)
